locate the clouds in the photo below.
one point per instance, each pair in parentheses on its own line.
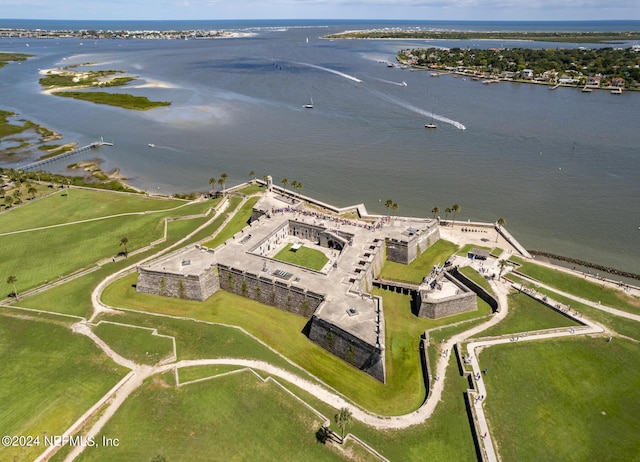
(322,9)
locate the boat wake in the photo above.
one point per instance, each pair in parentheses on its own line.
(326,69)
(417,110)
(400,84)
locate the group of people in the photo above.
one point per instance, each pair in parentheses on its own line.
(326,217)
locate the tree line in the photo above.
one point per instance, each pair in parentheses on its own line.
(610,62)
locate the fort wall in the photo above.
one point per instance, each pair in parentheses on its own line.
(358,353)
(435,308)
(188,286)
(264,289)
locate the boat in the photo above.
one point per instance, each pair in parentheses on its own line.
(616,91)
(403,83)
(430,126)
(309,105)
(151,145)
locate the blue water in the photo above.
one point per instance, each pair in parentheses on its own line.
(562,167)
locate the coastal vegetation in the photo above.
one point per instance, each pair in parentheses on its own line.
(6,58)
(573,37)
(73,79)
(599,67)
(85,79)
(123,100)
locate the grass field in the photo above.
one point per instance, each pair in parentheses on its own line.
(80,204)
(49,378)
(527,315)
(414,273)
(445,437)
(139,345)
(580,286)
(236,417)
(404,390)
(566,399)
(304,256)
(37,256)
(238,222)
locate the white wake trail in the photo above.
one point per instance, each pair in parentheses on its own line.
(326,69)
(417,110)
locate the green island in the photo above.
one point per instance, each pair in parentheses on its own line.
(123,100)
(573,37)
(240,374)
(70,82)
(6,58)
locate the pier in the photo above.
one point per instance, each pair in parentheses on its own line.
(40,163)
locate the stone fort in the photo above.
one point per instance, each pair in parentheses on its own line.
(344,318)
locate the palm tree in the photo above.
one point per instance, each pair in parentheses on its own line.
(212,182)
(11,280)
(435,211)
(252,174)
(395,207)
(447,211)
(32,191)
(501,222)
(455,208)
(224,177)
(343,418)
(285,182)
(296,185)
(388,205)
(221,183)
(502,264)
(124,240)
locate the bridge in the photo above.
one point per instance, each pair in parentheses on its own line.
(40,163)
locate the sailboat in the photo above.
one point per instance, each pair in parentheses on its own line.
(309,105)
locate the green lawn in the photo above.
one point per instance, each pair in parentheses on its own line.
(404,390)
(414,273)
(580,286)
(570,399)
(444,437)
(527,315)
(236,417)
(80,204)
(304,256)
(136,344)
(38,256)
(50,377)
(476,277)
(237,223)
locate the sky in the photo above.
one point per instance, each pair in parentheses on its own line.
(526,10)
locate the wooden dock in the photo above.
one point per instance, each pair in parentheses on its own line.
(40,163)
